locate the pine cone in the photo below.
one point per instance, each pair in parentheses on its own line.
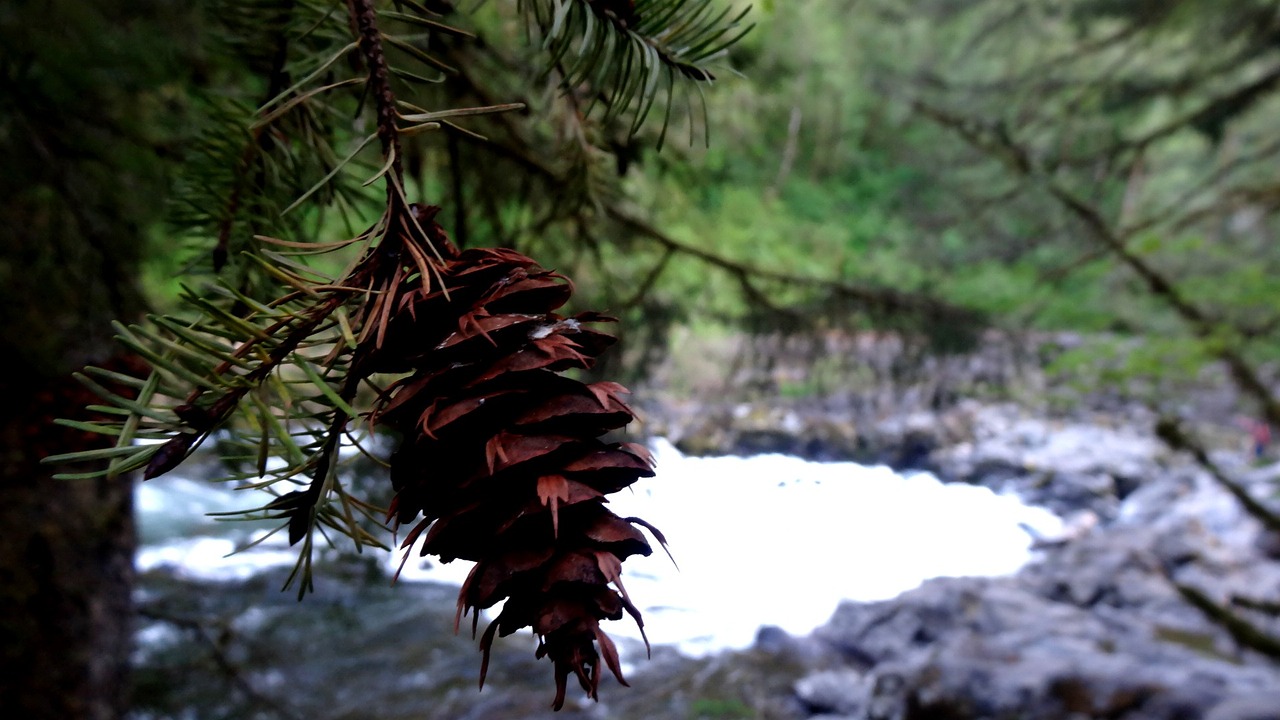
(502,456)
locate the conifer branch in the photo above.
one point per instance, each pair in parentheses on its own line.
(620,53)
(257,143)
(501,458)
(365,18)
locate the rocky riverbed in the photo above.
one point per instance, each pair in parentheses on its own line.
(1153,603)
(1104,624)
(1095,627)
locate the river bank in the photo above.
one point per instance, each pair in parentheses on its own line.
(1104,624)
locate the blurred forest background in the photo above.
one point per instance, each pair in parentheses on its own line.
(932,170)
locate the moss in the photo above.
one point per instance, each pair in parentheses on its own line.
(1201,642)
(717,709)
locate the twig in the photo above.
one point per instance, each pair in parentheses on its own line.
(366,20)
(1242,631)
(1171,431)
(229,669)
(885,300)
(1262,606)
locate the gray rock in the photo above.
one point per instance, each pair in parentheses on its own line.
(838,692)
(1093,629)
(1066,466)
(805,651)
(1254,706)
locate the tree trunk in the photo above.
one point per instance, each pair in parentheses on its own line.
(81,180)
(68,265)
(65,579)
(66,549)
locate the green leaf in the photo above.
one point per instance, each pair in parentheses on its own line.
(325,65)
(272,423)
(121,405)
(324,387)
(427,23)
(336,169)
(421,55)
(100,454)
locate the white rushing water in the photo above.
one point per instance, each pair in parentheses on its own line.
(765,540)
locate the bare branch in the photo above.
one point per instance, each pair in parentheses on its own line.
(996,142)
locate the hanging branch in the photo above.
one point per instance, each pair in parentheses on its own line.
(1245,633)
(878,301)
(500,457)
(257,144)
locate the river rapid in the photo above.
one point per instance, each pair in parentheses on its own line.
(769,540)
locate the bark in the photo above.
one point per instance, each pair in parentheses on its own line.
(82,178)
(65,579)
(66,552)
(68,259)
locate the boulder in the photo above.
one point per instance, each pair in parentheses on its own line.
(1096,627)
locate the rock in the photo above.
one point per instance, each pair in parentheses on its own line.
(991,648)
(1066,466)
(834,692)
(1094,628)
(786,648)
(756,429)
(1254,706)
(773,639)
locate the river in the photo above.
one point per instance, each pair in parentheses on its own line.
(764,540)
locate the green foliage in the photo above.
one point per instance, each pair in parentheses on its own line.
(714,709)
(623,50)
(829,164)
(964,152)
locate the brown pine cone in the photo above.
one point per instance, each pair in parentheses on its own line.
(501,458)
